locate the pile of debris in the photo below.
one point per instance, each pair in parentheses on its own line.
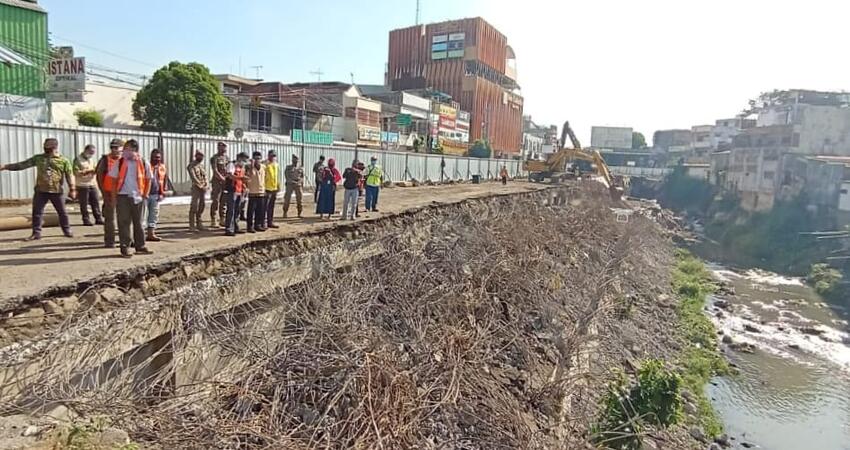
(499,328)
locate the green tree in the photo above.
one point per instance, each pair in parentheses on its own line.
(480,149)
(183,98)
(89,117)
(638,140)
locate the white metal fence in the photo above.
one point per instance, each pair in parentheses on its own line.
(21,140)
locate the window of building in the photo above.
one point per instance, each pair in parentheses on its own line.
(768,175)
(260,120)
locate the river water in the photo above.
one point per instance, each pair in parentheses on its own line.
(793,391)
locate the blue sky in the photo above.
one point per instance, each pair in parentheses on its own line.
(649,64)
(289,39)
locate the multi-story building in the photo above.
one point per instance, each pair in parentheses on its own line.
(471,61)
(725,131)
(546,136)
(24,53)
(275,108)
(820,120)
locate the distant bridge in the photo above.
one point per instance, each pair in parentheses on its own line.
(645,172)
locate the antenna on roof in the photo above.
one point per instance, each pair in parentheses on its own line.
(318,73)
(257,69)
(418,10)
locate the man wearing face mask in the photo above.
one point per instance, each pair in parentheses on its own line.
(158,188)
(131,176)
(199,189)
(84,175)
(256,184)
(107,186)
(51,169)
(272,187)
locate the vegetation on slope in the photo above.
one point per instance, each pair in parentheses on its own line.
(700,360)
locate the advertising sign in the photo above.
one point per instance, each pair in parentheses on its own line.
(447,122)
(365,133)
(66,79)
(463,116)
(448,111)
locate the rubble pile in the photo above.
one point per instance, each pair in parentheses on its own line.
(497,326)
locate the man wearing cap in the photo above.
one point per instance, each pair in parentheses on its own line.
(318,168)
(294,179)
(51,169)
(84,172)
(198,176)
(107,186)
(234,189)
(374,180)
(256,183)
(218,165)
(272,187)
(131,176)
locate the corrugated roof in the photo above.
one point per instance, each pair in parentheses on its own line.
(24,4)
(11,58)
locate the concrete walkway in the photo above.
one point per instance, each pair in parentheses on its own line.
(30,268)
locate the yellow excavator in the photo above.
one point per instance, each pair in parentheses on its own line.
(560,166)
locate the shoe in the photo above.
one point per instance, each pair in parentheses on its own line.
(153,238)
(108,245)
(192,229)
(86,223)
(143,251)
(201,228)
(374,209)
(98,222)
(33,237)
(274,226)
(125,253)
(251,230)
(229,233)
(240,231)
(68,234)
(260,230)
(284,214)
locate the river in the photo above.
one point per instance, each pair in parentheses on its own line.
(793,390)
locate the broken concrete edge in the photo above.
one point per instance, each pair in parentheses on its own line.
(161,277)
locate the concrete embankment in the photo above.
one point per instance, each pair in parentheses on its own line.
(495,322)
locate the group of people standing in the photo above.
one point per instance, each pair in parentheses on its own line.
(245,188)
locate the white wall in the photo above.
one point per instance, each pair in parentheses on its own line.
(611,137)
(114,102)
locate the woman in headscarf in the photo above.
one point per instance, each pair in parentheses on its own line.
(326,203)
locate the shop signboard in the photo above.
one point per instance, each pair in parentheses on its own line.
(66,79)
(366,133)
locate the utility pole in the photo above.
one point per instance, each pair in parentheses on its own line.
(303,123)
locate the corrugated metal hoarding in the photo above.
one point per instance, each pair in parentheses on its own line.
(22,140)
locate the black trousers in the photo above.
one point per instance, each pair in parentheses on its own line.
(130,217)
(256,217)
(271,199)
(89,196)
(40,201)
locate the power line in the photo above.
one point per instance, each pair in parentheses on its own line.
(107,52)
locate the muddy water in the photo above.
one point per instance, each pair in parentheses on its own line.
(793,391)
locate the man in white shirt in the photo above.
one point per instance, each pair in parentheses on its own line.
(132,178)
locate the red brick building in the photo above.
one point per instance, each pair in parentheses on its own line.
(470,60)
